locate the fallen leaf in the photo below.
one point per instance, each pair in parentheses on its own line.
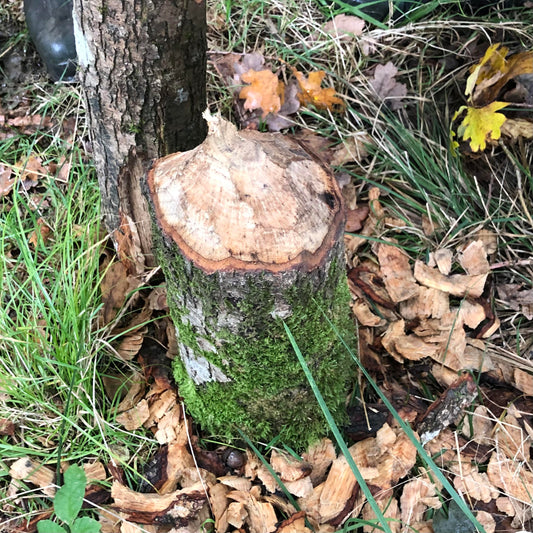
(352,149)
(491,63)
(396,272)
(482,124)
(29,123)
(311,92)
(517,127)
(61,169)
(523,381)
(31,171)
(7,427)
(291,104)
(41,234)
(6,181)
(128,244)
(493,71)
(264,91)
(517,298)
(130,345)
(116,286)
(355,218)
(254,61)
(386,87)
(344,26)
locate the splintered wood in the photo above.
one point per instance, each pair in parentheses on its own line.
(422,309)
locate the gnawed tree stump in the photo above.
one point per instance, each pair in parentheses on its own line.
(250,234)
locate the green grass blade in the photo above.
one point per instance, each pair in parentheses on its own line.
(337,433)
(409,432)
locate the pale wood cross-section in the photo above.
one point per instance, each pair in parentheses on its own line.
(245,200)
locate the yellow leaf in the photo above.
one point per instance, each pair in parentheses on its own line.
(495,60)
(264,92)
(482,124)
(488,77)
(312,93)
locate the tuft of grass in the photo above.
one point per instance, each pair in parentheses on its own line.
(53,353)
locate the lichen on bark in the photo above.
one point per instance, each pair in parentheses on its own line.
(237,369)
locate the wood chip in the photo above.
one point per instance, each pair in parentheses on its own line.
(236,514)
(254,468)
(171,427)
(396,271)
(178,507)
(428,303)
(512,439)
(411,347)
(300,487)
(364,315)
(135,417)
(456,284)
(320,455)
(476,485)
(219,505)
(29,470)
(417,495)
(294,524)
(236,482)
(95,471)
(288,467)
(487,521)
(443,259)
(472,313)
(512,477)
(473,259)
(261,515)
(338,488)
(390,510)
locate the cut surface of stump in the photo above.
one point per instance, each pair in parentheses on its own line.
(249,233)
(247,200)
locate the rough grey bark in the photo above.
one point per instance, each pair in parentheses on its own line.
(142,67)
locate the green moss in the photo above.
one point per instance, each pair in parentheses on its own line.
(268,394)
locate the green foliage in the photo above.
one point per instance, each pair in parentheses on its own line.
(67,506)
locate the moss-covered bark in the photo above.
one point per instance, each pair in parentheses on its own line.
(237,369)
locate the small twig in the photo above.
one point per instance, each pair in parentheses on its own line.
(505,264)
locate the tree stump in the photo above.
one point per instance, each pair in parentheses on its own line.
(250,234)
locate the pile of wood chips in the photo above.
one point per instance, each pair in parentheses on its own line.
(437,310)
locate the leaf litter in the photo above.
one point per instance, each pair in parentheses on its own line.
(436,312)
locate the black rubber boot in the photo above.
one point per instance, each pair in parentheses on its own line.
(50,26)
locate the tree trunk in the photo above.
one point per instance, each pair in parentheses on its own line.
(142,66)
(251,235)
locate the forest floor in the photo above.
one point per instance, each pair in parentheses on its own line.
(426,121)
